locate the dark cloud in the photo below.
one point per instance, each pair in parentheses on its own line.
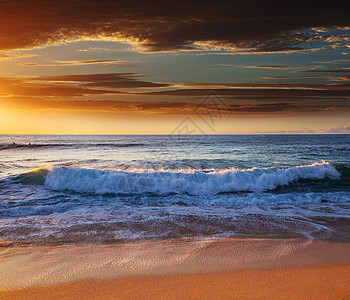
(89,62)
(131,83)
(106,62)
(326,71)
(127,84)
(330,78)
(108,80)
(273,91)
(89,77)
(253,25)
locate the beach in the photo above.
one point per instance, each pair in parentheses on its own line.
(174,150)
(149,217)
(179,269)
(301,283)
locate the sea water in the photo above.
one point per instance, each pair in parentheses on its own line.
(59,189)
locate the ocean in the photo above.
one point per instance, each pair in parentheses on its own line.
(69,189)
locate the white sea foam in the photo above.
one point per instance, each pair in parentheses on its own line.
(192,182)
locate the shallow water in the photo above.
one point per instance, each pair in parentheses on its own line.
(107,189)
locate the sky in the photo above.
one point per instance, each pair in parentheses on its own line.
(151,67)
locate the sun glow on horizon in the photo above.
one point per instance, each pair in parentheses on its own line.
(123,75)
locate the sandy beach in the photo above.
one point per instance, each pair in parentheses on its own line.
(179,269)
(174,150)
(288,283)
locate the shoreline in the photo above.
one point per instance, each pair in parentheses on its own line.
(29,266)
(284,283)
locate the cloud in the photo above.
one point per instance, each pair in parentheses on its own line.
(106,62)
(339,78)
(325,71)
(24,87)
(303,131)
(107,80)
(330,78)
(89,77)
(339,129)
(262,108)
(252,92)
(336,130)
(208,85)
(248,26)
(339,40)
(169,107)
(124,84)
(75,85)
(12,55)
(131,83)
(334,61)
(264,67)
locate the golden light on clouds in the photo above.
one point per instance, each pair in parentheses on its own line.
(126,67)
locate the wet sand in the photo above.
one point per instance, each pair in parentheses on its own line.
(179,269)
(331,282)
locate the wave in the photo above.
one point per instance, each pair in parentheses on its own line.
(27,146)
(190,182)
(118,145)
(36,146)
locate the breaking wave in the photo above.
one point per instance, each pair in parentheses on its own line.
(190,182)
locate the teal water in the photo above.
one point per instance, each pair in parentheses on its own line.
(107,189)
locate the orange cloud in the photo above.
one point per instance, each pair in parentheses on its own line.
(106,62)
(50,92)
(14,86)
(168,108)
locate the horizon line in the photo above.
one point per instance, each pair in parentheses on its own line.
(168,134)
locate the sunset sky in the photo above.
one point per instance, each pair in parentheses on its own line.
(149,67)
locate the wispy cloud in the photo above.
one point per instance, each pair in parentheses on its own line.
(106,62)
(14,55)
(259,67)
(75,85)
(335,130)
(172,107)
(334,61)
(275,92)
(343,70)
(256,99)
(339,129)
(299,86)
(25,87)
(330,78)
(107,80)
